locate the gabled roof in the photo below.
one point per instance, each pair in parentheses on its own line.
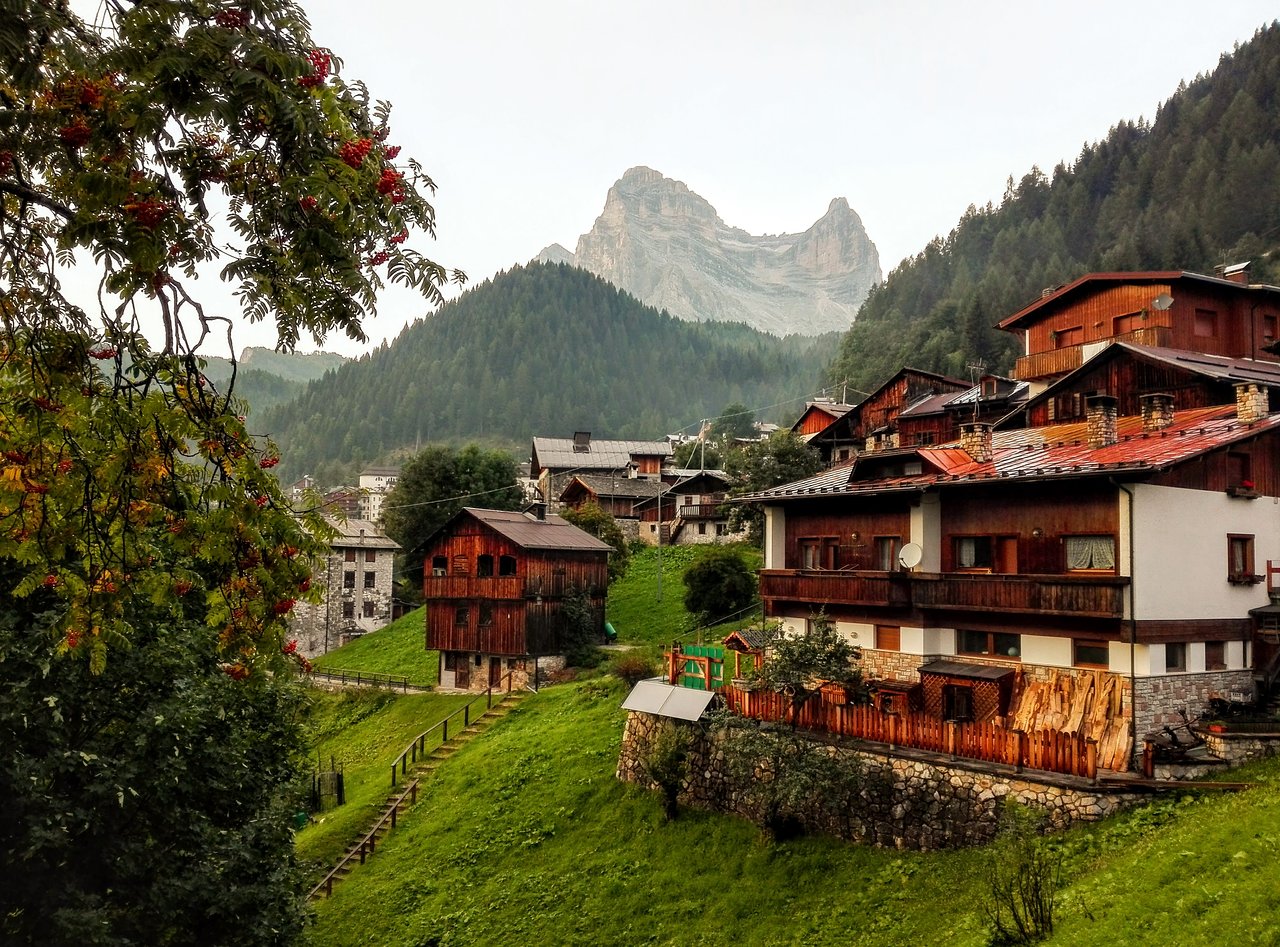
(360,533)
(1151,276)
(558,453)
(1053,452)
(529,532)
(602,485)
(833,409)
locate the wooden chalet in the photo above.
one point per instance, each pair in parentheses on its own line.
(495,583)
(553,460)
(818,416)
(618,496)
(937,419)
(873,423)
(690,509)
(1221,315)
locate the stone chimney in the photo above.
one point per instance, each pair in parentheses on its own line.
(975,440)
(1235,273)
(1157,412)
(1251,402)
(1100,421)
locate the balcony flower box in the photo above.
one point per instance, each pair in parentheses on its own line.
(1245,490)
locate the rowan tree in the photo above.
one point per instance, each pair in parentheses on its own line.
(148,559)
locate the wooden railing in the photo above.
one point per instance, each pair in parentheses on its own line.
(474,586)
(1049,750)
(700,511)
(360,678)
(366,845)
(418,747)
(1060,361)
(839,587)
(1094,596)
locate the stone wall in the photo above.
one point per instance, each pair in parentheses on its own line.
(908,799)
(1157,700)
(1238,748)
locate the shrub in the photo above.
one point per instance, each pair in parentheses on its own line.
(1022,879)
(720,585)
(632,667)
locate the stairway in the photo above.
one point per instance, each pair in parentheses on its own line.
(396,802)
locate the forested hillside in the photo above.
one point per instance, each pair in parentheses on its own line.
(544,349)
(1197,187)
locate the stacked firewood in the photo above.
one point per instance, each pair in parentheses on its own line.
(1090,702)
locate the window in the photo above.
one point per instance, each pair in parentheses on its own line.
(1240,559)
(484,565)
(1175,656)
(459,565)
(957,702)
(1091,652)
(887,549)
(486,613)
(1065,338)
(1239,469)
(1215,655)
(349,555)
(367,609)
(722,529)
(1129,322)
(994,644)
(925,438)
(889,637)
(972,552)
(506,565)
(348,580)
(461,616)
(348,609)
(371,555)
(439,565)
(1268,328)
(451,660)
(702,529)
(370,578)
(1090,552)
(1206,323)
(809,552)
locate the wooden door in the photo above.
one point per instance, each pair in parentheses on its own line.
(462,676)
(495,672)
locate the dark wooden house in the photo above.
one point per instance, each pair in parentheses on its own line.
(495,584)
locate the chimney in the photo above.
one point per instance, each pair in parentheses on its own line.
(1236,273)
(871,445)
(1157,412)
(1251,402)
(975,440)
(539,511)
(1100,421)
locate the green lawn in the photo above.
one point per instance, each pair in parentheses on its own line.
(398,648)
(526,836)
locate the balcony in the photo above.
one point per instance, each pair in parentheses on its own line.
(1087,596)
(701,511)
(1060,361)
(471,587)
(836,587)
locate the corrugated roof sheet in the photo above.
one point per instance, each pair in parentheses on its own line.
(557,453)
(1048,453)
(979,672)
(656,696)
(529,532)
(606,486)
(361,533)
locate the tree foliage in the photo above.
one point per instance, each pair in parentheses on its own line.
(665,760)
(736,420)
(148,559)
(719,585)
(1023,875)
(797,665)
(780,458)
(1190,190)
(581,622)
(437,483)
(592,519)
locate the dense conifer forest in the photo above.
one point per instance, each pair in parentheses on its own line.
(1196,187)
(544,349)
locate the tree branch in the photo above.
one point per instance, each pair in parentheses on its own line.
(23,192)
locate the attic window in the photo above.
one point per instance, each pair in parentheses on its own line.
(506,565)
(581,442)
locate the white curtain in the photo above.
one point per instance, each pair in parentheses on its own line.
(1091,552)
(966,552)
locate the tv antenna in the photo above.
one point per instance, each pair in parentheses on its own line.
(976,370)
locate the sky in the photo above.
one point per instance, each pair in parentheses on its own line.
(526,113)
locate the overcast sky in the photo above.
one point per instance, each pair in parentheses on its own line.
(526,113)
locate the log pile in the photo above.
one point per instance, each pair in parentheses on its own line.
(1094,703)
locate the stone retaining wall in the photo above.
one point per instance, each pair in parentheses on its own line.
(908,799)
(1158,700)
(1238,748)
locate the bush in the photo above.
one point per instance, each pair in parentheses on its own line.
(632,667)
(720,585)
(1022,878)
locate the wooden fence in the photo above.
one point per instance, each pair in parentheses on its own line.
(1049,750)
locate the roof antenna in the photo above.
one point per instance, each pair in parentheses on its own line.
(975,372)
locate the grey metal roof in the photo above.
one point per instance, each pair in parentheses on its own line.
(606,486)
(361,533)
(557,453)
(529,532)
(656,696)
(979,672)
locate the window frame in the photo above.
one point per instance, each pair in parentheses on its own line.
(1245,543)
(348,579)
(1078,643)
(1221,663)
(1205,324)
(894,551)
(368,609)
(1175,657)
(370,580)
(978,566)
(371,555)
(484,565)
(990,650)
(1096,570)
(888,637)
(439,566)
(461,617)
(348,555)
(506,565)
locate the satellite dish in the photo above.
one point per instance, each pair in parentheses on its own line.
(910,555)
(1162,302)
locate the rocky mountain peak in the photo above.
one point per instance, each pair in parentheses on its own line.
(667,246)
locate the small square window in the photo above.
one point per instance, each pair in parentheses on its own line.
(1175,656)
(349,555)
(1091,653)
(461,616)
(371,555)
(888,637)
(1206,323)
(972,552)
(370,579)
(1215,655)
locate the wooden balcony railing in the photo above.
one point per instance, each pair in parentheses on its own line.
(701,511)
(473,586)
(1060,361)
(837,587)
(1093,596)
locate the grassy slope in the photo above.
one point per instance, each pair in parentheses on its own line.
(397,648)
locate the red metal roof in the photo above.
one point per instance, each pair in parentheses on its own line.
(1051,453)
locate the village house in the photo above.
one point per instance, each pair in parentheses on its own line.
(356,578)
(495,583)
(1098,554)
(374,485)
(554,460)
(618,495)
(690,510)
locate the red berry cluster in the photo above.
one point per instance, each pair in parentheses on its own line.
(262,500)
(305,584)
(401,237)
(107,351)
(320,62)
(65,465)
(76,134)
(353,152)
(308,203)
(182,587)
(284,606)
(6,163)
(148,212)
(50,581)
(390,181)
(382,256)
(391,152)
(290,647)
(233,19)
(73,638)
(268,462)
(237,671)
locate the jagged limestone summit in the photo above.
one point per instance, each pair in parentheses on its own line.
(669,248)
